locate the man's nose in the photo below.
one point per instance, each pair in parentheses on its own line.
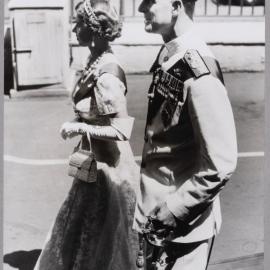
(143,7)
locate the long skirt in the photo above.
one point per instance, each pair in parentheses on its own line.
(93,229)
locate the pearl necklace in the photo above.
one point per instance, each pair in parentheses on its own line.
(90,68)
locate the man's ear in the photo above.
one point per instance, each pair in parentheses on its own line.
(177,7)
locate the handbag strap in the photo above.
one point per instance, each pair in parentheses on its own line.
(83,139)
(89,140)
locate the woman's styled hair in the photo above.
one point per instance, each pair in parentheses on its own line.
(101,18)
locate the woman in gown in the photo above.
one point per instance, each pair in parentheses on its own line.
(93,229)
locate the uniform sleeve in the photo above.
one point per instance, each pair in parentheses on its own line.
(214,130)
(109,93)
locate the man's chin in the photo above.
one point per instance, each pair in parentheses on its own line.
(151,28)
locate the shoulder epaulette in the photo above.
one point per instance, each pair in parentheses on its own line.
(196,63)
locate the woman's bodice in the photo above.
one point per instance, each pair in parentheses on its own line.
(100,92)
(99,98)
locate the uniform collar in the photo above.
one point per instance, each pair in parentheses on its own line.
(181,43)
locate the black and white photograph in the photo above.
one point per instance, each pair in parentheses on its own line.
(134,134)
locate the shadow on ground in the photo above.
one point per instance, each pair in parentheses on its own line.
(22,260)
(251,262)
(26,260)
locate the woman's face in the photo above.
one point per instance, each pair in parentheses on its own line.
(82,31)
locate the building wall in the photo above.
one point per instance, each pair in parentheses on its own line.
(6,12)
(43,58)
(235,48)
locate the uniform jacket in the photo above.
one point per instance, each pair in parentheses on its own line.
(190,149)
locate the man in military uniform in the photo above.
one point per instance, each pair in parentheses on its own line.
(190,149)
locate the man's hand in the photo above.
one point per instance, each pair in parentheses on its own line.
(71,129)
(162,214)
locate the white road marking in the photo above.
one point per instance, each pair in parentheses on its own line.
(251,154)
(38,162)
(45,162)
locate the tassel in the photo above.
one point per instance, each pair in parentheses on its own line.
(140,255)
(140,260)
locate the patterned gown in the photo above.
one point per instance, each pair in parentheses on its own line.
(93,229)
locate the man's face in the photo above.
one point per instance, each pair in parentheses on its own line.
(157,14)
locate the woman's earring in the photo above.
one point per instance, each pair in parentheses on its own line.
(93,44)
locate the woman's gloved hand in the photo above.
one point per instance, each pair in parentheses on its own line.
(72,129)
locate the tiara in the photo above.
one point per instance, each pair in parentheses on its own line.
(89,10)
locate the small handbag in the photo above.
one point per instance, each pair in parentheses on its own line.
(82,164)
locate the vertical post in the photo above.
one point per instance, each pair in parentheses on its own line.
(71,8)
(252,7)
(14,59)
(205,7)
(66,17)
(134,8)
(229,7)
(242,7)
(122,7)
(267,145)
(1,135)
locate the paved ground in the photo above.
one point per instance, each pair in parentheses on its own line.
(36,180)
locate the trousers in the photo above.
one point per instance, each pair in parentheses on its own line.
(178,256)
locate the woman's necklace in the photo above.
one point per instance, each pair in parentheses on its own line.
(91,67)
(90,70)
(86,81)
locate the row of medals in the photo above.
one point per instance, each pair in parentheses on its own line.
(171,89)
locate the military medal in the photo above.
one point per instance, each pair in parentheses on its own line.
(172,89)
